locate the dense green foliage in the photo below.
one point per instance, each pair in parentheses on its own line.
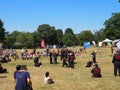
(2,31)
(85,36)
(54,36)
(112,27)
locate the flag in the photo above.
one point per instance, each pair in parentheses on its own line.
(94,43)
(42,43)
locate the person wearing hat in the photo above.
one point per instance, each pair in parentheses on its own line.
(96,71)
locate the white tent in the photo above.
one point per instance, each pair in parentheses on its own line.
(107,40)
(115,42)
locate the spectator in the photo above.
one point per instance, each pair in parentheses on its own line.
(50,55)
(23,81)
(93,56)
(48,79)
(18,67)
(116,62)
(55,55)
(36,62)
(96,71)
(71,59)
(2,69)
(64,62)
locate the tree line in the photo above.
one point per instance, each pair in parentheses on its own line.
(53,36)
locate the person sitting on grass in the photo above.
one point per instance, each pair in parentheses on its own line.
(36,62)
(48,79)
(2,69)
(96,71)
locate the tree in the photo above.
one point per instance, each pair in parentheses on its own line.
(2,32)
(69,30)
(59,34)
(27,41)
(99,35)
(69,37)
(48,33)
(59,37)
(112,27)
(86,35)
(11,39)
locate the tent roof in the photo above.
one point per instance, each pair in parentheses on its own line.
(116,40)
(107,40)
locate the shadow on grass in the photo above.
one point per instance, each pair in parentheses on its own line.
(3,76)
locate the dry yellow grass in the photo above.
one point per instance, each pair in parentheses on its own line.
(78,78)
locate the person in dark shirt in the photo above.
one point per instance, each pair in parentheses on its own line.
(96,71)
(51,55)
(36,62)
(93,56)
(71,59)
(55,55)
(116,62)
(64,62)
(22,78)
(18,67)
(2,69)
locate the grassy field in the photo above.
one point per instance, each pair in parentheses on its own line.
(78,78)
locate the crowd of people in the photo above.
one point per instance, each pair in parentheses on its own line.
(22,76)
(66,56)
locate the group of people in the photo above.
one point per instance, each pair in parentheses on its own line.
(66,56)
(23,79)
(96,71)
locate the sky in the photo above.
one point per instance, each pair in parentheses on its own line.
(79,15)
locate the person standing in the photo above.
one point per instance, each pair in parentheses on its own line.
(64,62)
(55,55)
(22,78)
(71,59)
(116,63)
(50,55)
(93,56)
(112,50)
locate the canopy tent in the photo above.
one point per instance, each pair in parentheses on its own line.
(115,42)
(107,42)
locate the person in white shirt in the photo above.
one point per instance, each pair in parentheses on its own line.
(47,79)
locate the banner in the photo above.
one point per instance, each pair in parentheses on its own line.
(42,43)
(86,44)
(94,43)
